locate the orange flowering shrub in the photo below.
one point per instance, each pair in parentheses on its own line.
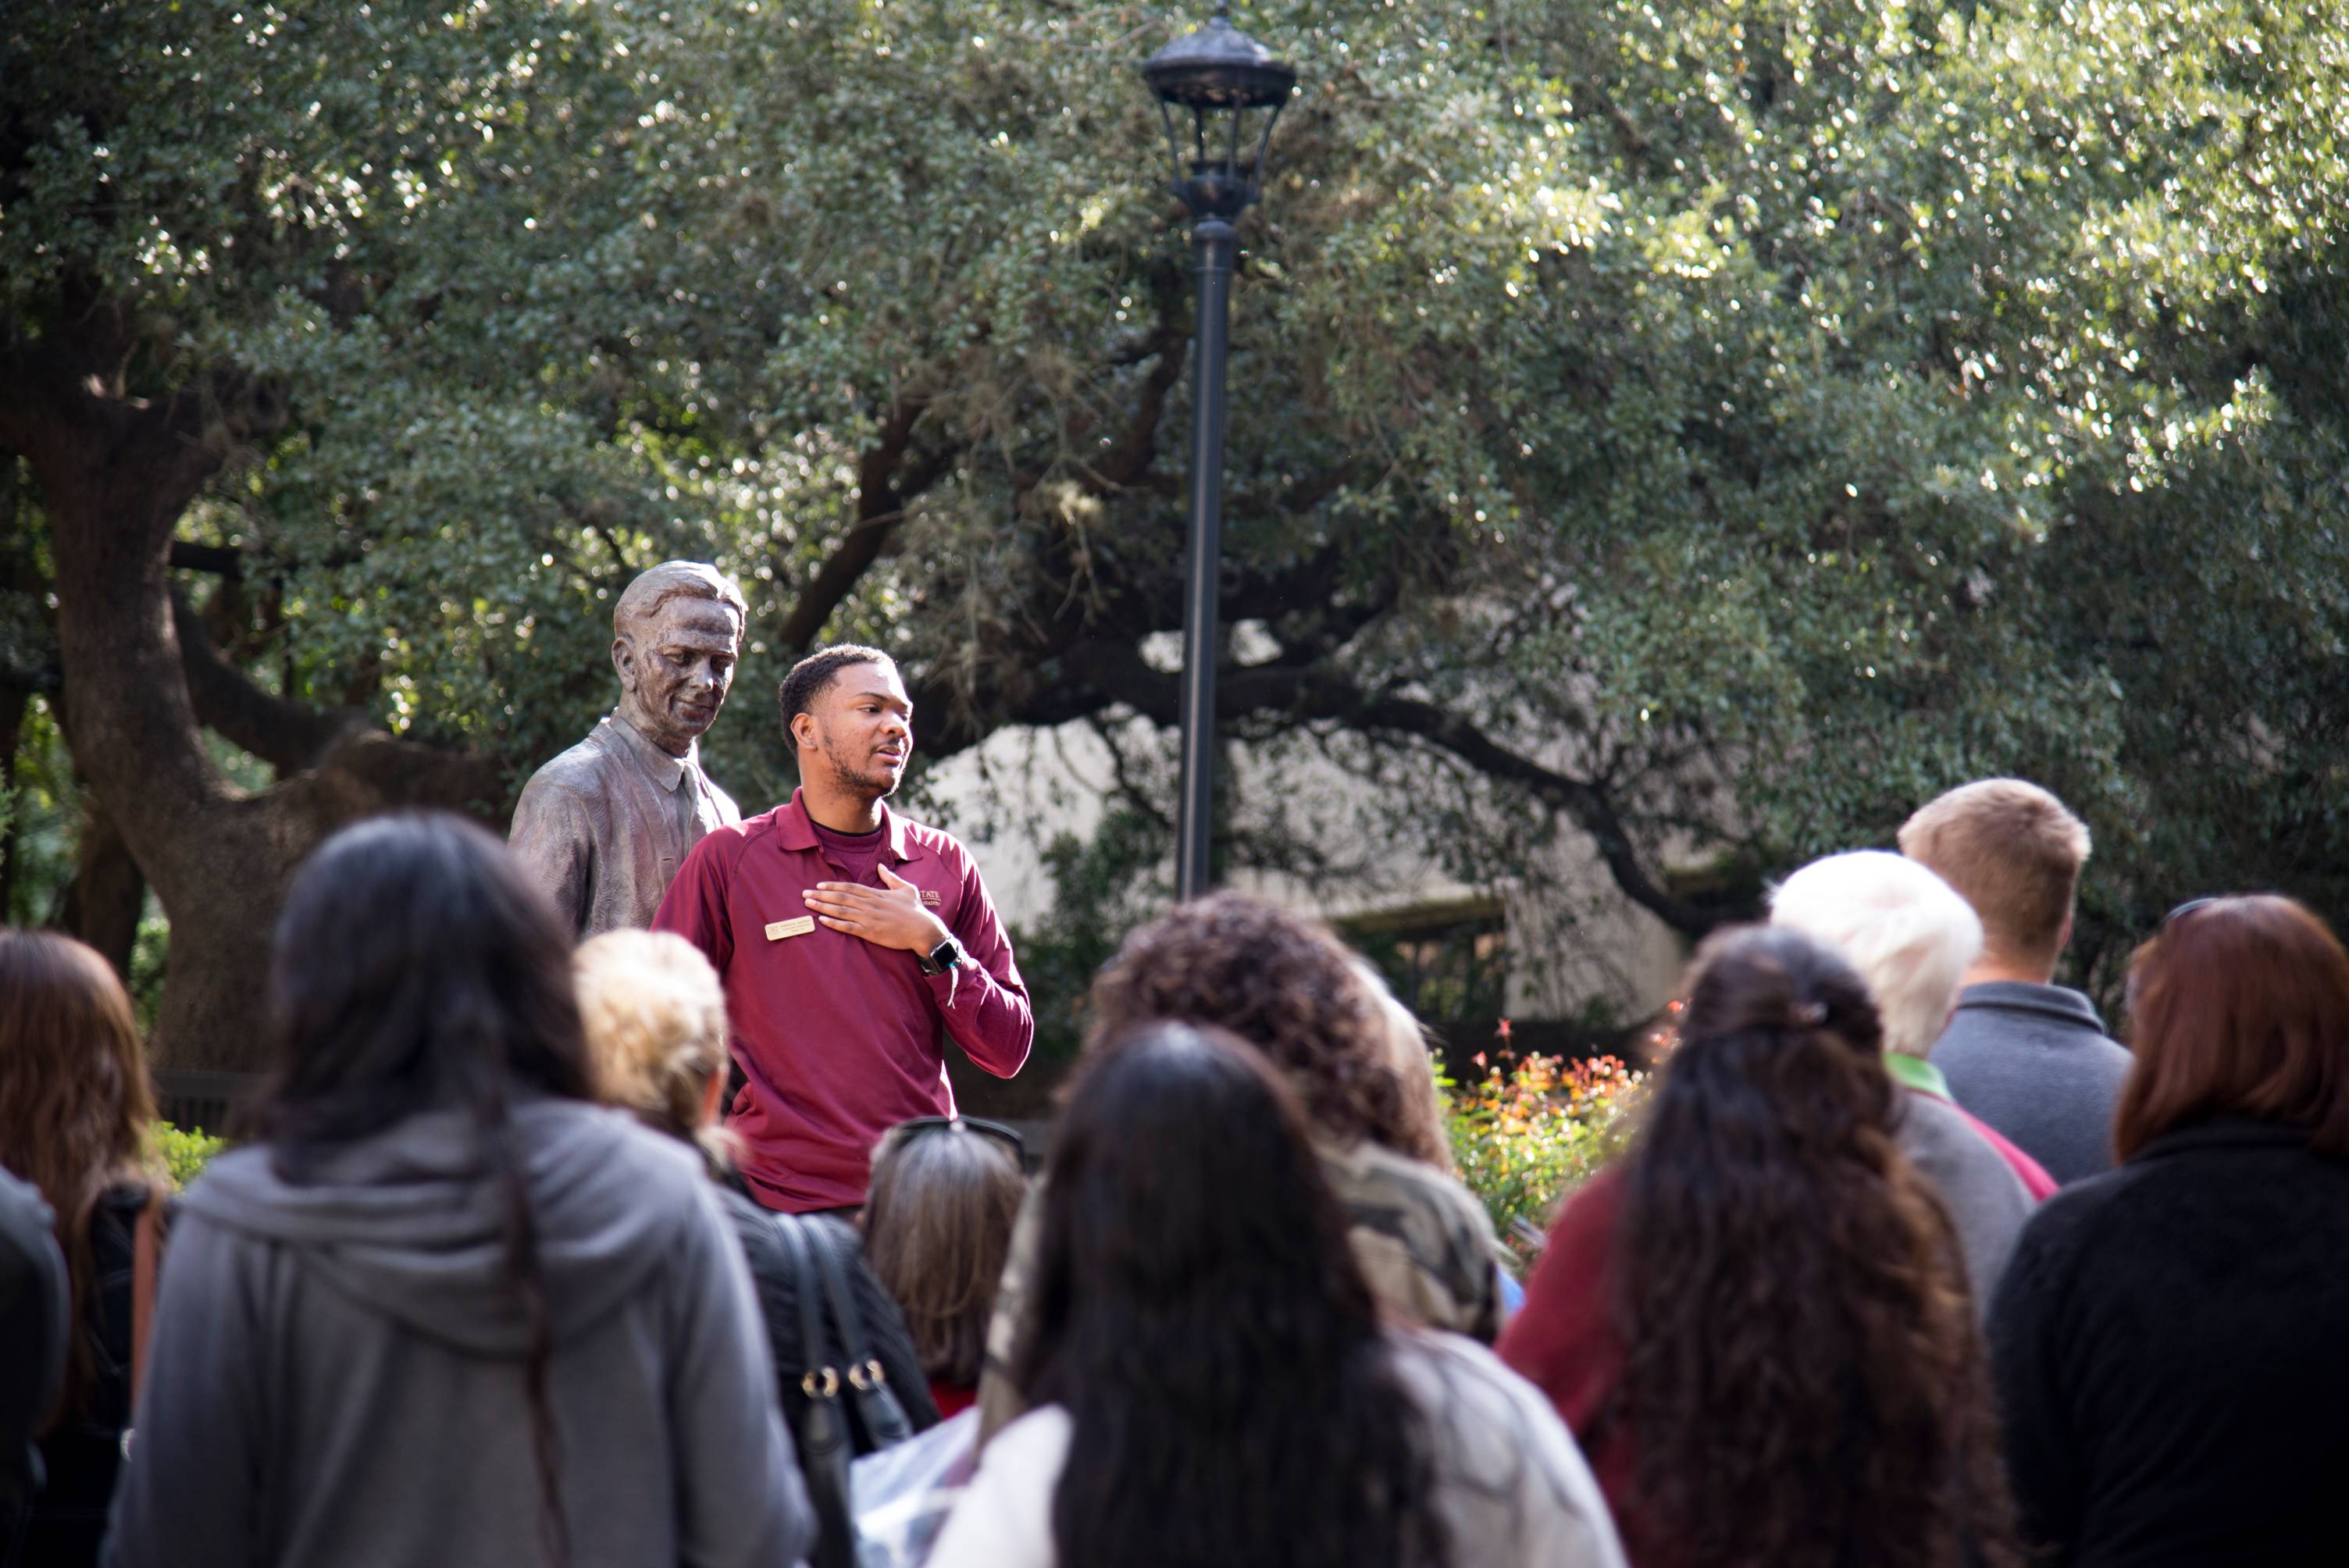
(1535,1128)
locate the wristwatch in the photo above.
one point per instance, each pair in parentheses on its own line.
(941,958)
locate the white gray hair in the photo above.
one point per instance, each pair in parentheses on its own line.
(1907,932)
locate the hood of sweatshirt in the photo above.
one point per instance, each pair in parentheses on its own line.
(409,1224)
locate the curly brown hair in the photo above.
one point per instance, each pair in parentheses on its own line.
(1282,983)
(1804,1381)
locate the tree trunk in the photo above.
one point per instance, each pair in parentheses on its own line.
(14,700)
(103,902)
(116,473)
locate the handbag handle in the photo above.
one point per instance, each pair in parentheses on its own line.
(819,1379)
(885,1419)
(823,1436)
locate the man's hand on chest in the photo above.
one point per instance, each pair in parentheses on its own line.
(890,915)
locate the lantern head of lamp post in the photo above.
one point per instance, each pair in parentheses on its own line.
(1216,76)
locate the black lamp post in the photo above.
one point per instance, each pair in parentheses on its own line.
(1217,74)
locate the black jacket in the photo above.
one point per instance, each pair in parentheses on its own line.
(2171,1346)
(61,1527)
(884,1324)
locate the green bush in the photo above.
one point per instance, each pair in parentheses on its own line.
(185,1152)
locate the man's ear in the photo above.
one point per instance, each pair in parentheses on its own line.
(624,661)
(801,738)
(2064,935)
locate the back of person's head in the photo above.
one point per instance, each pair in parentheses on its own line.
(938,1226)
(1804,1382)
(414,967)
(1282,983)
(654,1012)
(2239,1007)
(76,1112)
(1200,1315)
(2014,853)
(1907,932)
(1414,1064)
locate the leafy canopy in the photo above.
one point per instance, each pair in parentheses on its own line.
(1718,424)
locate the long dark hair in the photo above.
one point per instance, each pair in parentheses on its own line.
(1803,1383)
(415,969)
(1199,1316)
(75,1108)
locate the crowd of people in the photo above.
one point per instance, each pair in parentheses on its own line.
(1907,1261)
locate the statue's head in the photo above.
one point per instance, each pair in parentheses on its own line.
(675,634)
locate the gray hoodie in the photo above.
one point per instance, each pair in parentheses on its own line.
(337,1372)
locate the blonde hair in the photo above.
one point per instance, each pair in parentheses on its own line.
(1907,932)
(2013,852)
(654,1016)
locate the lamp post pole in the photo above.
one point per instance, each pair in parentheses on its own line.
(1216,244)
(1217,74)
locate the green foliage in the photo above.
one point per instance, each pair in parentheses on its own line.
(1103,888)
(1529,1131)
(44,814)
(1766,411)
(186,1151)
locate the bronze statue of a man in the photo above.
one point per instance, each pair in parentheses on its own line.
(604,826)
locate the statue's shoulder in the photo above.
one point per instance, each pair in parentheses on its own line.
(585,770)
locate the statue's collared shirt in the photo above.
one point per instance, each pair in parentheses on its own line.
(604,826)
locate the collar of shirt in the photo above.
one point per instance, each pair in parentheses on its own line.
(667,771)
(1917,1073)
(2017,995)
(795,830)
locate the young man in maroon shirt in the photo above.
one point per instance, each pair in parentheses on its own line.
(852,942)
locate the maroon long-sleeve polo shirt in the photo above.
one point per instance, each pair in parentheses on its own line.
(840,1040)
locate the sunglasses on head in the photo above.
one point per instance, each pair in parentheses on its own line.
(1009,1140)
(2188,907)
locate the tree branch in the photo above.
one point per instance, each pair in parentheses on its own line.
(881,497)
(1116,670)
(222,560)
(288,735)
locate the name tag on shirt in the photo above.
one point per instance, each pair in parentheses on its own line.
(778,929)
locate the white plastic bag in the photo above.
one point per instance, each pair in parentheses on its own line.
(901,1495)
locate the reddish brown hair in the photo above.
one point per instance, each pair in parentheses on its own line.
(2239,1007)
(75,1103)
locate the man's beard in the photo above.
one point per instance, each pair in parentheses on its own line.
(875,779)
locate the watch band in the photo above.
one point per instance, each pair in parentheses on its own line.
(942,957)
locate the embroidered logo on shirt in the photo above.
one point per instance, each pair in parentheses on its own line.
(931,899)
(779,929)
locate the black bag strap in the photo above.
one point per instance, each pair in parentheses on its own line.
(884,1419)
(821,1378)
(824,1443)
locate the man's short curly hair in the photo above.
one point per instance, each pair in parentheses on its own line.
(1279,981)
(798,690)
